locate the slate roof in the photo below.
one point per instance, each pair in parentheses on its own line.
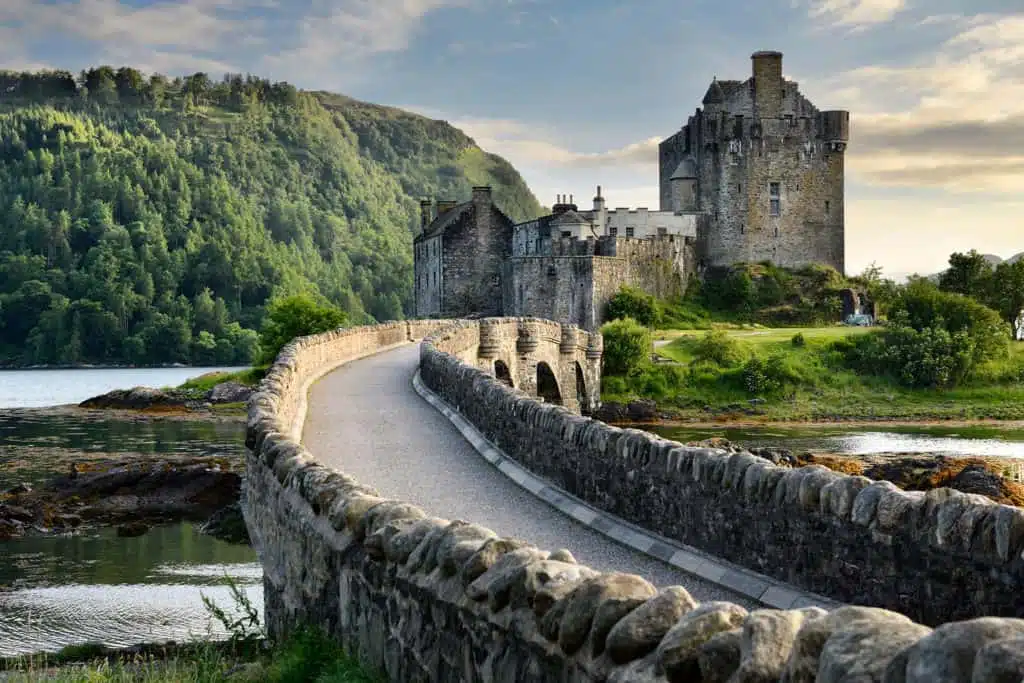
(720,91)
(569,217)
(445,220)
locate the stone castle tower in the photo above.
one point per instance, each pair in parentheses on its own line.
(766,169)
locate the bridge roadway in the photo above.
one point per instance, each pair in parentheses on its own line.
(366,419)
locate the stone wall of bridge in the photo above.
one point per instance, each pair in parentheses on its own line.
(426,599)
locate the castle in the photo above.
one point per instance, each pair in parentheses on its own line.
(756,175)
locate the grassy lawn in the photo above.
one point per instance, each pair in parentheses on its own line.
(818,387)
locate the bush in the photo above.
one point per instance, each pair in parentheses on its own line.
(798,340)
(719,348)
(627,346)
(630,302)
(295,316)
(933,339)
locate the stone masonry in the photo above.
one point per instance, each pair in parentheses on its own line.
(426,599)
(768,170)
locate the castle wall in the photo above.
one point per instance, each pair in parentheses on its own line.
(475,248)
(551,287)
(428,276)
(575,282)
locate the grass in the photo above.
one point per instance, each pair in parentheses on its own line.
(202,384)
(815,387)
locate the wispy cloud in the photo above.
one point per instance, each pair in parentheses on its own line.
(351,31)
(951,118)
(855,13)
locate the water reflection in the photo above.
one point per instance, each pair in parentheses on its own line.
(119,591)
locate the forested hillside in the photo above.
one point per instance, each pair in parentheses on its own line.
(149,220)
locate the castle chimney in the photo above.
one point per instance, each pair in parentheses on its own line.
(426,209)
(482,194)
(445,206)
(768,82)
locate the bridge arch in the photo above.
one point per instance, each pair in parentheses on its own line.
(502,373)
(547,384)
(581,389)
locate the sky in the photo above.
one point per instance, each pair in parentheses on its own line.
(577,93)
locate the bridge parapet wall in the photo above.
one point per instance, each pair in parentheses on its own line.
(426,599)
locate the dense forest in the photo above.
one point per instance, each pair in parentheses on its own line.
(149,220)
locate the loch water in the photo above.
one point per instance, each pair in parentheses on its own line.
(96,586)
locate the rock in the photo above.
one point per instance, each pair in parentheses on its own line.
(1000,662)
(132,529)
(485,558)
(947,655)
(563,555)
(228,525)
(802,666)
(642,410)
(540,584)
(131,399)
(640,631)
(582,606)
(978,479)
(866,650)
(611,412)
(19,489)
(679,650)
(719,658)
(767,640)
(16,513)
(229,392)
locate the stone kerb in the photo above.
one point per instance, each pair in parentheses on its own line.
(428,599)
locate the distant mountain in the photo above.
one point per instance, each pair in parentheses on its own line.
(148,220)
(991,258)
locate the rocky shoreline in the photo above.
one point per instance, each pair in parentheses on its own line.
(911,472)
(130,497)
(129,492)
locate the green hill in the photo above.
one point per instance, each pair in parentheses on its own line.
(149,220)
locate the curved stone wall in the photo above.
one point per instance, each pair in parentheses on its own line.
(427,599)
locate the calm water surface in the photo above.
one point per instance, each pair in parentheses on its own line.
(40,388)
(57,591)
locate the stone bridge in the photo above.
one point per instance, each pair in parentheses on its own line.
(421,598)
(559,364)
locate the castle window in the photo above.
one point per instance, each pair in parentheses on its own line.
(828,206)
(613,231)
(775,198)
(566,233)
(662,232)
(629,231)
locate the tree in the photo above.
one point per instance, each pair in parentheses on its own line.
(295,316)
(1006,293)
(627,346)
(968,274)
(630,302)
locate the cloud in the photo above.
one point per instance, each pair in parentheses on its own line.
(952,118)
(349,32)
(855,13)
(167,35)
(524,143)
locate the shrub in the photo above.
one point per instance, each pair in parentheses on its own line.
(295,316)
(630,302)
(798,340)
(719,348)
(627,345)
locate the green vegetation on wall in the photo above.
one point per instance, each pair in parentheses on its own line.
(149,220)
